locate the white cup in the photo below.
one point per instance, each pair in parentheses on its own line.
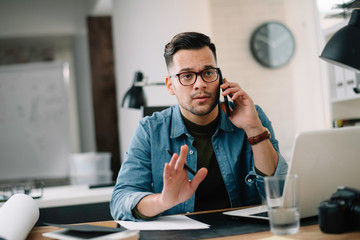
(282,196)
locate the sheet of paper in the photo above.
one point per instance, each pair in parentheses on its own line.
(175,222)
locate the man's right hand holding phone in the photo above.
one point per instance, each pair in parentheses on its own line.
(244,114)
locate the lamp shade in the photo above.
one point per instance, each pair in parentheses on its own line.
(343,49)
(134,97)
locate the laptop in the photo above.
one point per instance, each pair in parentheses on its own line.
(323,160)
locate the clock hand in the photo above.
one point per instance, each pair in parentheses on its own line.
(265,40)
(281,39)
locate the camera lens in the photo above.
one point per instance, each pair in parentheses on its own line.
(332,216)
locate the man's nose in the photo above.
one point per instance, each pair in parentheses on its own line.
(199,82)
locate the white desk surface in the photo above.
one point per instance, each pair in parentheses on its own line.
(73,195)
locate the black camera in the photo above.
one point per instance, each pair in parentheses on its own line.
(341,213)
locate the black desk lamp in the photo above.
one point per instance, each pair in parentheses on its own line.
(343,49)
(134,97)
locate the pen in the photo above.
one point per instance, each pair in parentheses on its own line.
(185,165)
(102,185)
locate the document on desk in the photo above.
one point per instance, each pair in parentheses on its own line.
(174,222)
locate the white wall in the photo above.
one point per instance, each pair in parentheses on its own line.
(309,86)
(39,17)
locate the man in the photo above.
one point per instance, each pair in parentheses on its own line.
(231,154)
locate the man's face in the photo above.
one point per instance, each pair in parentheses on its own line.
(197,101)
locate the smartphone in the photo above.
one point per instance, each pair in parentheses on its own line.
(226,100)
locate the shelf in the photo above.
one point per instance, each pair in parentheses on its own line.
(72,195)
(344,100)
(346,109)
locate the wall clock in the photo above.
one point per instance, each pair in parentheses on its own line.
(272,44)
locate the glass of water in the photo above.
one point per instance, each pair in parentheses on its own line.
(282,197)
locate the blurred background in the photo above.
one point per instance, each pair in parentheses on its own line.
(101,45)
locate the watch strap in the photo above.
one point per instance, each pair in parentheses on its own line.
(259,138)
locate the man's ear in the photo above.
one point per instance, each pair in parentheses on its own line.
(169,85)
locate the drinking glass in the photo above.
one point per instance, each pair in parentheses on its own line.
(282,196)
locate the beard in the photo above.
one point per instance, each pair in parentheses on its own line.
(202,109)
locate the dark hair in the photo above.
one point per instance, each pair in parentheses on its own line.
(187,40)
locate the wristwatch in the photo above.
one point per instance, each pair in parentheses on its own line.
(261,137)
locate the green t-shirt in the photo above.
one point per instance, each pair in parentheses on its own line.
(211,193)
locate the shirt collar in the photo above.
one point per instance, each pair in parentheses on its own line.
(177,124)
(224,123)
(178,127)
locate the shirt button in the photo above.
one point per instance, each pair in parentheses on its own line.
(191,152)
(249,180)
(257,177)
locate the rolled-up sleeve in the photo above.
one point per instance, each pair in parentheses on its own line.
(281,169)
(122,208)
(258,180)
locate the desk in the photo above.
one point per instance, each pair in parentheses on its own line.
(306,232)
(74,203)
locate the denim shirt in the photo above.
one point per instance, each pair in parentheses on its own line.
(141,173)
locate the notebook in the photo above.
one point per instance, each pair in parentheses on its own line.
(323,160)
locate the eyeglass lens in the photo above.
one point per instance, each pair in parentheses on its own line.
(189,78)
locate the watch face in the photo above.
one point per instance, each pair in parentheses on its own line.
(272,45)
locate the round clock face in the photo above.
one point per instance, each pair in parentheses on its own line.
(272,45)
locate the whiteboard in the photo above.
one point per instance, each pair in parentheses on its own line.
(34,126)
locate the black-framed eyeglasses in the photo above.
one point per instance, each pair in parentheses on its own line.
(189,78)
